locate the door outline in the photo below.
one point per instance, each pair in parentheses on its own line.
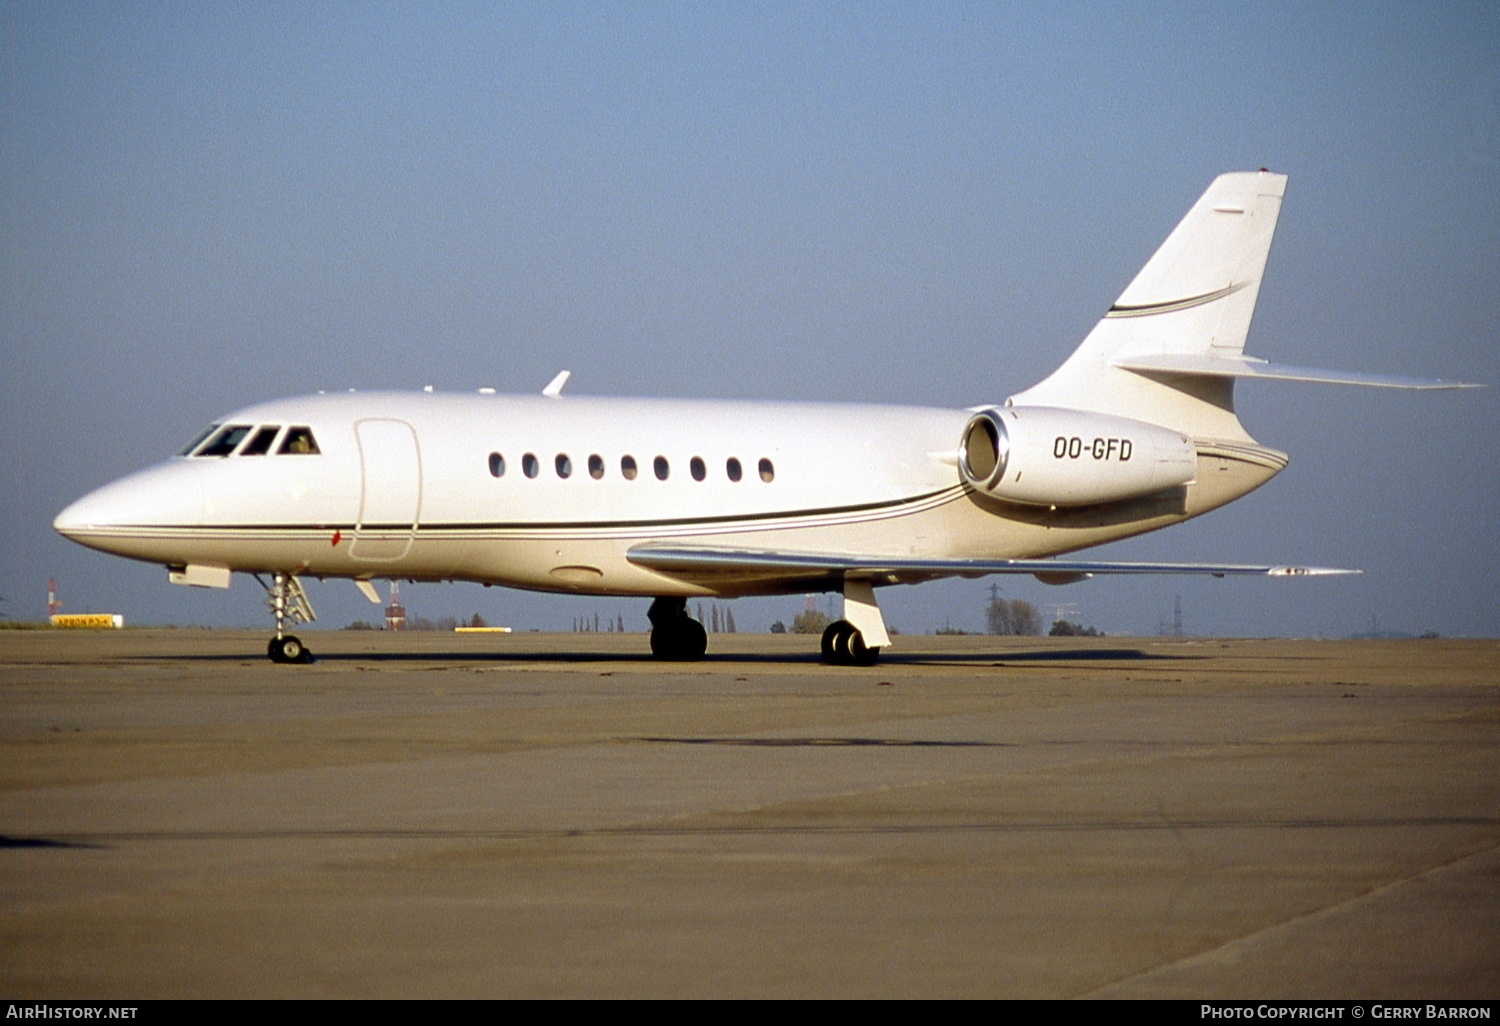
(390,489)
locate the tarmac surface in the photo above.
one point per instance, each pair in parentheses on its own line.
(433,815)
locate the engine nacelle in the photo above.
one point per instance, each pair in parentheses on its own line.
(1043,456)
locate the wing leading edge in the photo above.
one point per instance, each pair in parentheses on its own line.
(696,561)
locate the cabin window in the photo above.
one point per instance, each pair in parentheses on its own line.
(660,466)
(596,466)
(564,465)
(497,465)
(299,442)
(628,468)
(697,469)
(199,440)
(767,472)
(224,443)
(260,444)
(529,465)
(733,469)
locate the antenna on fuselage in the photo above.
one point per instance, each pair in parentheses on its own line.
(554,390)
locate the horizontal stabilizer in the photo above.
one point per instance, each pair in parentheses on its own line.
(1195,365)
(694,561)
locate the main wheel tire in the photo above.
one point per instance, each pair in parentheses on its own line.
(661,642)
(836,642)
(830,641)
(694,640)
(684,640)
(858,653)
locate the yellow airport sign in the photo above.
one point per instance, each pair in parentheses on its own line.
(92,621)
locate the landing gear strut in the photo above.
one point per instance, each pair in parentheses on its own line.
(288,603)
(674,634)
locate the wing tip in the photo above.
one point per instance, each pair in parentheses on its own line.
(1309,571)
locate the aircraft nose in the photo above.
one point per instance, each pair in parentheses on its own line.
(72,519)
(166,495)
(94,511)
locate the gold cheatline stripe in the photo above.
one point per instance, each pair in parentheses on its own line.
(798,519)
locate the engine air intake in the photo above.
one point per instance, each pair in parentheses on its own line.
(1042,456)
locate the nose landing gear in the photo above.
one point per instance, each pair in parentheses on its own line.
(288,649)
(288,603)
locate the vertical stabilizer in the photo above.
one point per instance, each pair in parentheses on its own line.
(1194,298)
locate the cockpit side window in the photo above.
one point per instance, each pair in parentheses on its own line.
(199,440)
(260,444)
(299,442)
(224,443)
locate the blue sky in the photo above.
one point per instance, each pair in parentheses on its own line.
(212,204)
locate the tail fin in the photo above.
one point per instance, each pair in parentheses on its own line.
(1192,302)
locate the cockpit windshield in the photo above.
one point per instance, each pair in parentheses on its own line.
(224,443)
(299,442)
(198,440)
(261,443)
(225,439)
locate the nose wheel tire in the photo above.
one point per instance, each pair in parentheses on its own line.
(288,649)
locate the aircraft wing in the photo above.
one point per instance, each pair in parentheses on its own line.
(693,561)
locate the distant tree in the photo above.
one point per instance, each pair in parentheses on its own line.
(997,617)
(715,612)
(621,625)
(360,625)
(729,627)
(1013,616)
(809,622)
(476,621)
(778,627)
(1070,629)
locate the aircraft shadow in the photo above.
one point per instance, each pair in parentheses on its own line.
(40,842)
(1038,656)
(796,658)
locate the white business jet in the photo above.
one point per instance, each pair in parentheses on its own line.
(672,499)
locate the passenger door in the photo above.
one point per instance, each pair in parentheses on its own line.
(391,492)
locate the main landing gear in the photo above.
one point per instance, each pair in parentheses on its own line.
(674,634)
(288,603)
(857,639)
(844,645)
